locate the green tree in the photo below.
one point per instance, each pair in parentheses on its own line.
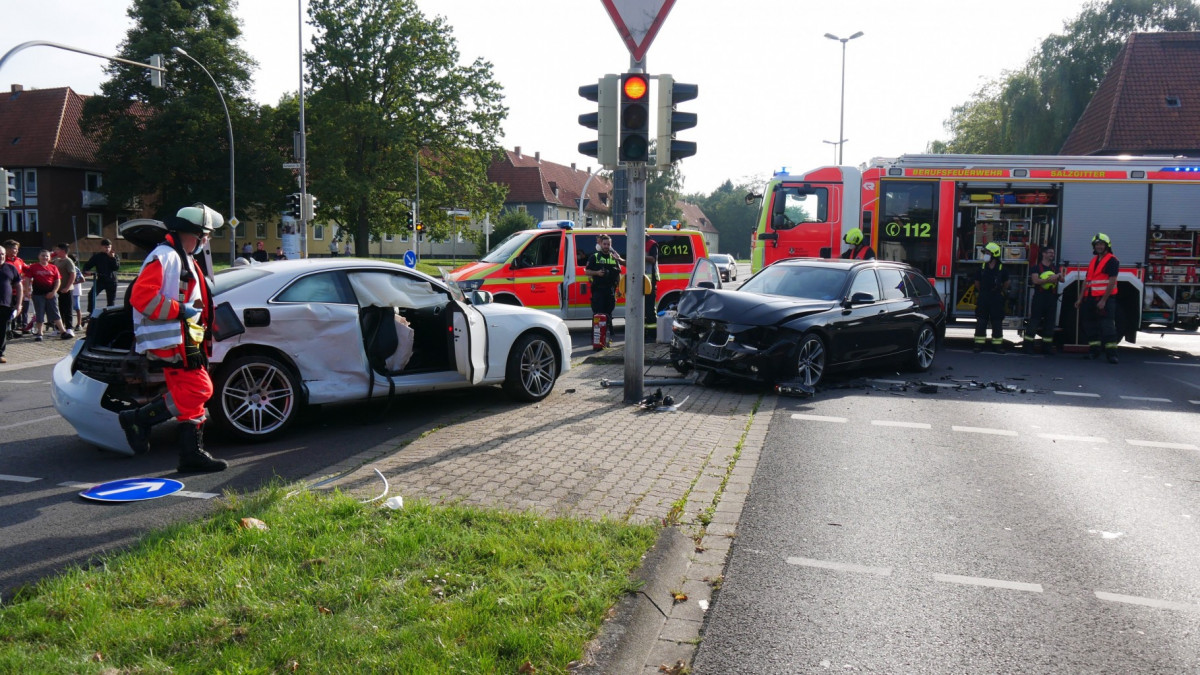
(172,143)
(388,85)
(662,191)
(1034,109)
(729,213)
(509,221)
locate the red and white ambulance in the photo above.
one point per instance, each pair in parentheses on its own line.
(936,212)
(543,268)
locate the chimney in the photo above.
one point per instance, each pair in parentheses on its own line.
(18,88)
(517,151)
(537,156)
(572,166)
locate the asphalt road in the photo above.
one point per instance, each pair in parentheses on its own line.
(974,531)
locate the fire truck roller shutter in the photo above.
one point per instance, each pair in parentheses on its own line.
(1174,206)
(1120,211)
(850,212)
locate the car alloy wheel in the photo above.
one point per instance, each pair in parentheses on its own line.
(926,349)
(256,397)
(532,369)
(810,359)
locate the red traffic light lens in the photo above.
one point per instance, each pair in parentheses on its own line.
(635,87)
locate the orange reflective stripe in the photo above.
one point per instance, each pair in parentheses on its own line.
(1096,282)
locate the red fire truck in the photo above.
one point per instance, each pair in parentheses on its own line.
(936,212)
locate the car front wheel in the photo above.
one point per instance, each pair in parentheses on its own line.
(532,369)
(926,349)
(255,398)
(810,359)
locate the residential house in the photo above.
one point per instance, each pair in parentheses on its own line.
(695,219)
(550,191)
(1148,104)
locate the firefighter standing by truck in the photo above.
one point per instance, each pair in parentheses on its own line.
(1098,313)
(858,250)
(172,309)
(991,287)
(1044,278)
(604,269)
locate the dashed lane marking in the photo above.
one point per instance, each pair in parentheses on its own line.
(1161,444)
(21,381)
(1194,402)
(18,479)
(21,424)
(179,493)
(818,418)
(1148,602)
(1171,363)
(990,583)
(1146,398)
(840,566)
(906,425)
(1077,393)
(1066,437)
(984,430)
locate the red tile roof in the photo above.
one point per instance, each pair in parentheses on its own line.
(694,218)
(531,179)
(40,128)
(1132,111)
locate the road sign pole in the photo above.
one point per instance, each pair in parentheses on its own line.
(635,301)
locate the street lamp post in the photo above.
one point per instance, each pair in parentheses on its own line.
(229,126)
(842,116)
(836,145)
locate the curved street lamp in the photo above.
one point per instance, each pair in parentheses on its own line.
(842,117)
(229,126)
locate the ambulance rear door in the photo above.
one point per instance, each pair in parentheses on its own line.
(568,275)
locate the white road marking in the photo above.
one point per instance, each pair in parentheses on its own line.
(1146,398)
(1065,437)
(890,381)
(906,425)
(841,567)
(21,424)
(817,418)
(1171,363)
(21,381)
(1160,444)
(990,583)
(1077,393)
(1147,602)
(984,430)
(1194,402)
(18,479)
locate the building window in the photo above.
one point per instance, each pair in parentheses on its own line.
(4,221)
(240,230)
(1174,102)
(521,208)
(388,236)
(93,181)
(279,230)
(95,226)
(31,182)
(120,220)
(31,221)
(260,230)
(318,232)
(18,221)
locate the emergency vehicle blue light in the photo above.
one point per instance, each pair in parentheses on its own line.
(1182,169)
(782,171)
(556,225)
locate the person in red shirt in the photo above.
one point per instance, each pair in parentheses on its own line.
(172,309)
(20,320)
(45,280)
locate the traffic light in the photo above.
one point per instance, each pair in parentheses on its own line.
(604,120)
(310,206)
(157,78)
(635,117)
(8,181)
(670,120)
(293,205)
(420,229)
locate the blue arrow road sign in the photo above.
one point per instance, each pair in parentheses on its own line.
(410,259)
(132,489)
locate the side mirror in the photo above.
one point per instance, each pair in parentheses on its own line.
(481,297)
(859,298)
(515,264)
(706,284)
(752,197)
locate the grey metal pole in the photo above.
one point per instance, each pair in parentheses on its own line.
(229,126)
(842,113)
(417,208)
(303,135)
(635,273)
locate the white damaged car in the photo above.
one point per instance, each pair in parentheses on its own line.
(318,331)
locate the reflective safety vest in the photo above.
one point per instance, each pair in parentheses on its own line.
(861,253)
(156,330)
(1097,281)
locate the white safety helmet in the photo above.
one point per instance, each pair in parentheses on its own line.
(196,219)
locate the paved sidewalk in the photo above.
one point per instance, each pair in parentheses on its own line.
(24,352)
(582,452)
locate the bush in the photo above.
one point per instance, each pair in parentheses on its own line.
(509,222)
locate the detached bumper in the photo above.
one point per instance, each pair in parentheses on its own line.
(77,398)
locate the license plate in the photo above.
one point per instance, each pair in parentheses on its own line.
(708,351)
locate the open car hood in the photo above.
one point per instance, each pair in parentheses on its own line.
(742,308)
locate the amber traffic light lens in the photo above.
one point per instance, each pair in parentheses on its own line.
(635,87)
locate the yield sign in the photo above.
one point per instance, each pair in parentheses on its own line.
(638,21)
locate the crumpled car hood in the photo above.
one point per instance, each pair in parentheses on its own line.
(746,308)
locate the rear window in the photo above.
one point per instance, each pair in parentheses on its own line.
(229,279)
(892,281)
(920,284)
(675,250)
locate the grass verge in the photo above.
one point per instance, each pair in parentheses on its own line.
(333,586)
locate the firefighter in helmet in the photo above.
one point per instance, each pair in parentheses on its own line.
(1098,310)
(1044,277)
(172,309)
(991,287)
(858,250)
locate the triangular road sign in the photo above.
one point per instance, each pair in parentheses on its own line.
(638,21)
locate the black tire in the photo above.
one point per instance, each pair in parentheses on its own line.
(532,368)
(255,398)
(810,361)
(924,350)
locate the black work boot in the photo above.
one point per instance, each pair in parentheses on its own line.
(192,456)
(138,421)
(1093,352)
(1111,354)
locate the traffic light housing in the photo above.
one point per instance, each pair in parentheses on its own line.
(605,94)
(8,189)
(420,228)
(671,120)
(635,118)
(310,206)
(293,205)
